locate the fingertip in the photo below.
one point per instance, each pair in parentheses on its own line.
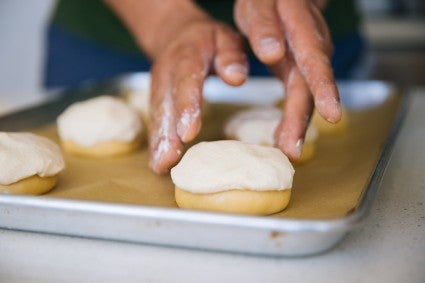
(187,132)
(163,158)
(235,74)
(269,50)
(292,148)
(326,100)
(334,114)
(330,110)
(296,150)
(156,167)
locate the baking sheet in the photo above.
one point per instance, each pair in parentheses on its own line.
(326,197)
(329,186)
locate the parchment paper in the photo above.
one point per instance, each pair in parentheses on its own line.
(329,186)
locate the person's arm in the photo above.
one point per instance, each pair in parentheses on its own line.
(186,45)
(154,23)
(291,37)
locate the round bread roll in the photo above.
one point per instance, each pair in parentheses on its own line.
(29,164)
(327,128)
(232,176)
(100,127)
(257,126)
(136,92)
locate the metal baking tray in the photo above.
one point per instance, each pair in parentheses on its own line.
(169,226)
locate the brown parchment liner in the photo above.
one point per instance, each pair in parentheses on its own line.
(329,186)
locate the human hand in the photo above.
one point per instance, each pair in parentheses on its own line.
(185,45)
(178,74)
(292,38)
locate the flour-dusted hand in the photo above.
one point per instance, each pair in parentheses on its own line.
(186,45)
(177,80)
(291,37)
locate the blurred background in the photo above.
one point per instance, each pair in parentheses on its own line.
(394,29)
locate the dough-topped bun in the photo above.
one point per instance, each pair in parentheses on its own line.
(257,126)
(136,91)
(98,127)
(139,100)
(232,176)
(324,127)
(29,164)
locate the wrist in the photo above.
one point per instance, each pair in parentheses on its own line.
(155,23)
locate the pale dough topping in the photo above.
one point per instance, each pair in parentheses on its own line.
(97,120)
(24,155)
(257,126)
(209,167)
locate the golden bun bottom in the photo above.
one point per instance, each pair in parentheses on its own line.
(324,127)
(34,185)
(235,201)
(105,149)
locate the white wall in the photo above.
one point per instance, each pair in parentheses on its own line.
(22,26)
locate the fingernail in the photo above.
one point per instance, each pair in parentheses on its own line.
(270,47)
(329,109)
(184,125)
(298,147)
(236,72)
(335,112)
(182,129)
